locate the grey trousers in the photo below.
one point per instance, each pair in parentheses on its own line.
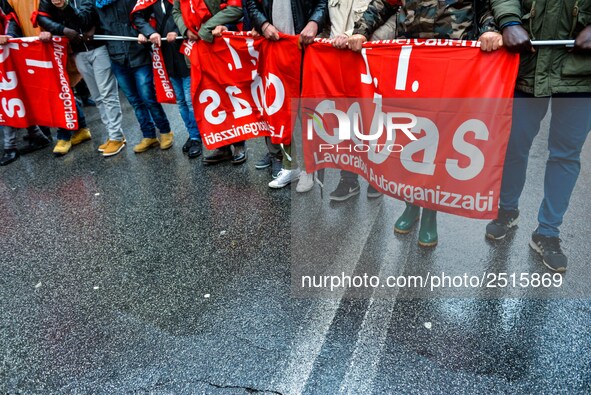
(10,135)
(95,67)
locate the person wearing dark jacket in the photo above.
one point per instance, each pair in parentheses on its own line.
(269,17)
(552,77)
(132,65)
(74,19)
(176,67)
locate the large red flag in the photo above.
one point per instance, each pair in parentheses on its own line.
(425,121)
(164,90)
(243,86)
(34,84)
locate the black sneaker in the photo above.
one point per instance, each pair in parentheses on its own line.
(264,162)
(276,166)
(345,190)
(218,155)
(9,156)
(240,155)
(187,145)
(195,149)
(550,251)
(373,193)
(498,228)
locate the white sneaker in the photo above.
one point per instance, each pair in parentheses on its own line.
(284,178)
(305,183)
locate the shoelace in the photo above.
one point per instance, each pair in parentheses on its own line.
(553,245)
(505,217)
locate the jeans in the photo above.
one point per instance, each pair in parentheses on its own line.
(95,67)
(569,127)
(182,90)
(64,134)
(137,83)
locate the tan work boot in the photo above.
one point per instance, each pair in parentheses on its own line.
(146,144)
(81,136)
(166,140)
(113,147)
(102,147)
(62,147)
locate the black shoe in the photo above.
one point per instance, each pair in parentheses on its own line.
(36,143)
(373,193)
(195,149)
(498,228)
(10,155)
(264,162)
(47,132)
(219,155)
(550,251)
(239,155)
(187,145)
(276,166)
(345,190)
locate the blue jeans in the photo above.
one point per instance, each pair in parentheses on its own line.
(569,127)
(64,134)
(182,90)
(137,83)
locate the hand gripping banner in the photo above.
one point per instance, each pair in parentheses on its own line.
(424,121)
(243,86)
(34,84)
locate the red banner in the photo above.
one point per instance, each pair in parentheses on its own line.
(242,87)
(34,85)
(164,90)
(425,121)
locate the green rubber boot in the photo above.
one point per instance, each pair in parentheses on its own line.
(428,229)
(407,220)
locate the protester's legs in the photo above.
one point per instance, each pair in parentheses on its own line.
(95,67)
(35,133)
(349,177)
(127,82)
(81,117)
(569,127)
(64,134)
(290,161)
(9,137)
(144,80)
(274,149)
(182,90)
(528,112)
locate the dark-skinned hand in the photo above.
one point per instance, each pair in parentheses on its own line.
(71,34)
(583,40)
(516,39)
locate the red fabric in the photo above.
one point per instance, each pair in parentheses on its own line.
(460,96)
(141,5)
(164,90)
(242,87)
(35,89)
(194,12)
(35,14)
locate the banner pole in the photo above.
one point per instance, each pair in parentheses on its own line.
(566,43)
(104,37)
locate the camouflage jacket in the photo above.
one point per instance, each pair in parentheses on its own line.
(430,18)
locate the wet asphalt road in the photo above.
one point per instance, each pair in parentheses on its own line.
(153,274)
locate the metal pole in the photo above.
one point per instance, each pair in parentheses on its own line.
(565,43)
(103,37)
